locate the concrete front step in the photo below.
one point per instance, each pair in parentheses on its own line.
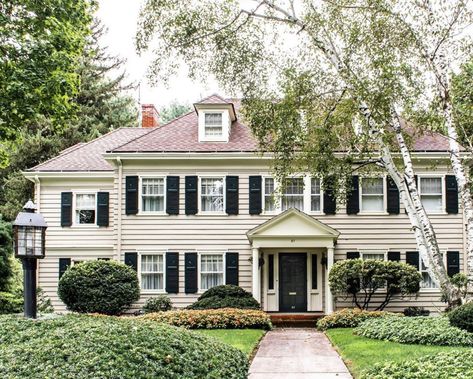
(296,320)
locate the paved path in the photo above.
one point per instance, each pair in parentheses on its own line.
(297,354)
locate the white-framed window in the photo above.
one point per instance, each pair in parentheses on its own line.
(152,272)
(293,194)
(372,195)
(376,255)
(213,124)
(269,197)
(152,194)
(431,193)
(315,195)
(212,194)
(211,270)
(85,208)
(427,281)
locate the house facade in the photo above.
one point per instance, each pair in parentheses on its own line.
(190,205)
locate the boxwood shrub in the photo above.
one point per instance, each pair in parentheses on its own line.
(462,317)
(81,346)
(10,303)
(446,365)
(226,318)
(349,318)
(106,287)
(225,296)
(415,330)
(161,303)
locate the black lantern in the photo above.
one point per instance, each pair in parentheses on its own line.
(29,231)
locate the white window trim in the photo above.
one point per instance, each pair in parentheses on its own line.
(444,260)
(442,181)
(225,126)
(308,195)
(199,267)
(385,200)
(160,291)
(199,194)
(141,212)
(74,195)
(383,252)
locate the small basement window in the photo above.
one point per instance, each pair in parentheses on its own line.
(85,208)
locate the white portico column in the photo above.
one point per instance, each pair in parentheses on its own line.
(328,294)
(256,278)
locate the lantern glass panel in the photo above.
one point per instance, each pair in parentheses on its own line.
(30,241)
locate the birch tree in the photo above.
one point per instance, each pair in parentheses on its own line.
(323,83)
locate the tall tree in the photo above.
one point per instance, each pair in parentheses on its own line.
(172,111)
(344,69)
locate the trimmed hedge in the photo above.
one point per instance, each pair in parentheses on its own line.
(227,318)
(462,317)
(79,346)
(161,303)
(225,296)
(10,303)
(415,330)
(448,365)
(106,287)
(349,318)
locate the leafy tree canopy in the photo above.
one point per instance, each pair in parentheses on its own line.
(172,111)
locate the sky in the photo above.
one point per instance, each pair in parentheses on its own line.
(121,17)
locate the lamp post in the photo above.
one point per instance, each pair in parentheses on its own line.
(29,231)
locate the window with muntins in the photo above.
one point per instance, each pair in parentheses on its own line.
(152,194)
(293,194)
(269,195)
(85,208)
(211,192)
(375,256)
(315,198)
(372,194)
(213,124)
(152,272)
(211,270)
(431,193)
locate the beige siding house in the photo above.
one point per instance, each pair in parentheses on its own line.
(189,205)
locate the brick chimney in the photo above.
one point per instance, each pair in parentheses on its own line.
(149,116)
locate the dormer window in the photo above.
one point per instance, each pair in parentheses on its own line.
(213,124)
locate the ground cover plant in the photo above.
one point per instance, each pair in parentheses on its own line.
(225,318)
(225,296)
(359,353)
(349,318)
(80,346)
(106,287)
(462,317)
(245,340)
(415,330)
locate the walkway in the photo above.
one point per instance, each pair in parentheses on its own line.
(297,354)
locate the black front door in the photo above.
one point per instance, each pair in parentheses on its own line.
(292,282)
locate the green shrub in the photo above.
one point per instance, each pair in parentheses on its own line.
(10,303)
(445,365)
(462,317)
(226,296)
(79,346)
(349,318)
(415,330)
(159,303)
(106,287)
(359,279)
(213,318)
(416,311)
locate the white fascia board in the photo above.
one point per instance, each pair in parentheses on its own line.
(31,175)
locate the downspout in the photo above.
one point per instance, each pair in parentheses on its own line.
(119,210)
(37,196)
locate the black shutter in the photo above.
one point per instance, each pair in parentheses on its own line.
(172,272)
(103,208)
(271,271)
(131,259)
(394,256)
(191,194)
(232,195)
(412,258)
(353,198)
(453,262)
(353,255)
(131,195)
(190,266)
(66,208)
(314,271)
(172,195)
(64,264)
(255,195)
(231,269)
(393,197)
(451,200)
(330,204)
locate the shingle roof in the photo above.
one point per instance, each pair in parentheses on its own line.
(89,156)
(179,135)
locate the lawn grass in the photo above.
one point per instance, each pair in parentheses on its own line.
(243,339)
(360,353)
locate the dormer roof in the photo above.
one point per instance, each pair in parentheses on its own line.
(216,102)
